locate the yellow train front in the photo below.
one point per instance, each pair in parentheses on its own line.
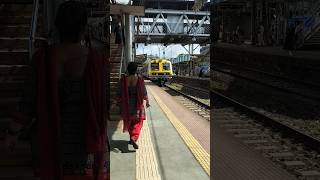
(158,70)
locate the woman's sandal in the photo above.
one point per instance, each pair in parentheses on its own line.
(134,144)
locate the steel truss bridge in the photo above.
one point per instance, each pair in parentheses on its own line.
(172,26)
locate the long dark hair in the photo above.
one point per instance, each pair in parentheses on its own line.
(132,68)
(71,20)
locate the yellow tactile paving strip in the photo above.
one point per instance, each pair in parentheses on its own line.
(197,150)
(146,161)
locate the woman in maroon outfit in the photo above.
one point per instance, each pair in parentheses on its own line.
(66,105)
(131,96)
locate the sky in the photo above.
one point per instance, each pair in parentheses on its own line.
(171,51)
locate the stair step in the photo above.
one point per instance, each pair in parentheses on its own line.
(17,160)
(115,63)
(17,173)
(115,76)
(18,42)
(12,43)
(15,20)
(18,30)
(11,89)
(115,70)
(13,57)
(13,8)
(114,79)
(14,30)
(14,72)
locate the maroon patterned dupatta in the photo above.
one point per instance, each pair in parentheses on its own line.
(48,113)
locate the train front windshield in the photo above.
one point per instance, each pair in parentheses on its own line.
(154,66)
(166,67)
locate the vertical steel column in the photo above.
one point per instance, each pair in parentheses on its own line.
(51,8)
(253,21)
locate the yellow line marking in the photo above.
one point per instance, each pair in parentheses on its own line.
(146,161)
(197,150)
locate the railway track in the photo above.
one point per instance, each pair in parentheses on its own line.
(234,66)
(295,87)
(292,149)
(186,96)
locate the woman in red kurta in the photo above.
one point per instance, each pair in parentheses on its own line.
(131,98)
(66,105)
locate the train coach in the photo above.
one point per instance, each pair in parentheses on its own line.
(159,70)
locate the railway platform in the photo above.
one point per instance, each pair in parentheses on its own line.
(167,147)
(175,144)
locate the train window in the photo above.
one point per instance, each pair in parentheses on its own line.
(166,66)
(154,66)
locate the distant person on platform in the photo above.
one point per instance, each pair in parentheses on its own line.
(131,98)
(298,34)
(289,43)
(201,72)
(261,35)
(237,33)
(220,33)
(119,32)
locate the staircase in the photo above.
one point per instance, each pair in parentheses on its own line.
(312,29)
(15,23)
(313,41)
(115,61)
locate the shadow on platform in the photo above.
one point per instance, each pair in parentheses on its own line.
(120,146)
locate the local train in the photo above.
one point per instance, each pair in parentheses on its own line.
(159,70)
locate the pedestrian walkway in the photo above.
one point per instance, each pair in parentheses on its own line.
(167,150)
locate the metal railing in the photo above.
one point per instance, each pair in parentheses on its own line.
(312,24)
(121,63)
(33,28)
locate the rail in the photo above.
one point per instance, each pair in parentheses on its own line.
(33,28)
(284,129)
(189,96)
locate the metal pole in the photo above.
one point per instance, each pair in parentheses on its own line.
(253,21)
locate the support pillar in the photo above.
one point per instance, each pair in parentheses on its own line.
(128,37)
(253,21)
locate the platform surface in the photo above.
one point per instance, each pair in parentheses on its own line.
(169,157)
(168,154)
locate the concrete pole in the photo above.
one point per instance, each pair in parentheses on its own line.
(133,46)
(128,38)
